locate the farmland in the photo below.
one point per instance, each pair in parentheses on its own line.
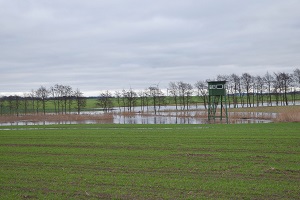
(251,161)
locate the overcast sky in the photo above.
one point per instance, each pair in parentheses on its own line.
(99,45)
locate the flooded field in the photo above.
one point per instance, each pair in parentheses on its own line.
(166,116)
(163,115)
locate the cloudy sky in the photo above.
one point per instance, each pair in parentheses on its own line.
(99,45)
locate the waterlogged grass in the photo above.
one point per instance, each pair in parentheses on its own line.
(245,161)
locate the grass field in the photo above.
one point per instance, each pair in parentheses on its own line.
(236,161)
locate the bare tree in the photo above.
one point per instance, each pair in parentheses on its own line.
(285,80)
(296,76)
(155,93)
(296,83)
(54,95)
(105,100)
(80,101)
(2,105)
(62,97)
(10,104)
(26,98)
(42,95)
(67,97)
(118,96)
(129,99)
(70,93)
(124,98)
(269,81)
(142,95)
(13,104)
(253,86)
(260,84)
(173,90)
(186,91)
(247,83)
(236,87)
(57,92)
(147,98)
(32,96)
(277,89)
(202,91)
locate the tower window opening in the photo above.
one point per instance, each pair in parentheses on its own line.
(219,86)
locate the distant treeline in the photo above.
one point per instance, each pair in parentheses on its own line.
(242,91)
(63,98)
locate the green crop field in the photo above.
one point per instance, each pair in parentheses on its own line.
(236,161)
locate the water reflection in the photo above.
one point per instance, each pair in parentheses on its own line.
(162,119)
(25,123)
(166,115)
(139,119)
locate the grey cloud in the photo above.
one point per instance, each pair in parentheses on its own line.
(98,45)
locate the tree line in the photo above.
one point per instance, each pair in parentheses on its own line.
(250,91)
(63,98)
(245,90)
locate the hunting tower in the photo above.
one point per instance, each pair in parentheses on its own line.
(217,96)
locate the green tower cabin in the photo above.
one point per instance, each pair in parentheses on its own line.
(217,97)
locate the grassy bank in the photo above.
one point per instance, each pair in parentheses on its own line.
(249,161)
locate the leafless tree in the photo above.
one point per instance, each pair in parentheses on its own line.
(277,89)
(129,99)
(124,98)
(156,95)
(185,93)
(67,97)
(287,80)
(2,105)
(260,86)
(80,100)
(32,96)
(42,95)
(247,84)
(26,98)
(284,80)
(54,92)
(142,96)
(236,87)
(296,75)
(37,101)
(295,83)
(118,96)
(105,100)
(57,92)
(147,98)
(202,91)
(269,81)
(62,97)
(13,104)
(174,92)
(10,104)
(18,103)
